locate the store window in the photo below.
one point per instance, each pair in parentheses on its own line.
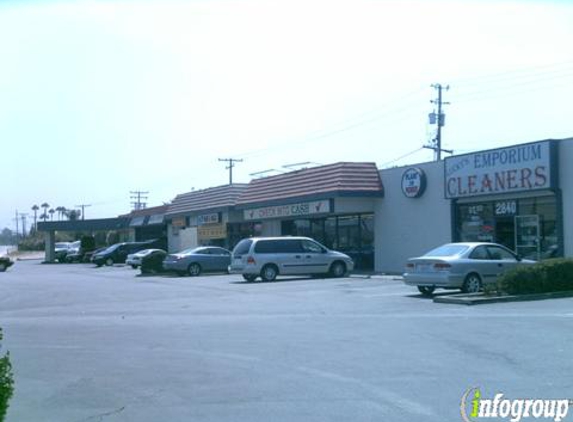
(353,235)
(527,226)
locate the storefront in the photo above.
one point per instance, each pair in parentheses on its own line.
(520,196)
(333,204)
(204,217)
(509,196)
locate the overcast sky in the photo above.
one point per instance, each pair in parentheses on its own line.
(100,98)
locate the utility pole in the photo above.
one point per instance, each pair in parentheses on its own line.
(24,218)
(83,206)
(138,198)
(16,220)
(231,162)
(439,119)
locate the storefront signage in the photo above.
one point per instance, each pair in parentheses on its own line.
(506,170)
(178,222)
(292,210)
(208,218)
(212,231)
(505,208)
(413,182)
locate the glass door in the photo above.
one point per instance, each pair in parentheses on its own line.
(527,236)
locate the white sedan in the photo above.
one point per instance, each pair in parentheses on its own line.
(466,266)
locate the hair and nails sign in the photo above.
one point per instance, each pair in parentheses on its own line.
(505,170)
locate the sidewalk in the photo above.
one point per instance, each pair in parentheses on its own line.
(27,255)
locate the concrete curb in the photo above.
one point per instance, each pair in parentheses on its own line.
(480,298)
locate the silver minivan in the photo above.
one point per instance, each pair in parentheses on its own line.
(267,257)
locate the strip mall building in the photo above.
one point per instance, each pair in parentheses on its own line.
(520,196)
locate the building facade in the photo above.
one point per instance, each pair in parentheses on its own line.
(520,196)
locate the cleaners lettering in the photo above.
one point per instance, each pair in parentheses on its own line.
(498,182)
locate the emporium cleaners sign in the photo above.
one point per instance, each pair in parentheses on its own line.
(292,210)
(514,169)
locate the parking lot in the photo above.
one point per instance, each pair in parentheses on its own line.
(104,344)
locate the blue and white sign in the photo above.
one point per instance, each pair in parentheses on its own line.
(208,219)
(519,168)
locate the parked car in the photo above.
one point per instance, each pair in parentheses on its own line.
(61,250)
(117,254)
(74,252)
(466,266)
(153,262)
(134,259)
(88,256)
(5,263)
(194,261)
(268,257)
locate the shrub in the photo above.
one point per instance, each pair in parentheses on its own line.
(553,275)
(6,382)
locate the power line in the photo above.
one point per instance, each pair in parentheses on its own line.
(349,124)
(83,206)
(401,157)
(231,162)
(138,197)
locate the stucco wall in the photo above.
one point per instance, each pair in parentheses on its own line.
(407,227)
(186,238)
(566,182)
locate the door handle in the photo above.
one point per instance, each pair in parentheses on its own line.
(308,256)
(500,265)
(297,256)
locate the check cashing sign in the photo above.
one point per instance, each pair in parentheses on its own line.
(519,168)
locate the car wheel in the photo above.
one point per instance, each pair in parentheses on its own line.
(3,267)
(194,270)
(337,269)
(269,273)
(250,277)
(109,262)
(134,267)
(426,290)
(472,283)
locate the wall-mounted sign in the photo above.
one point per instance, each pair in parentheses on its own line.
(178,222)
(413,182)
(208,218)
(292,210)
(506,170)
(212,231)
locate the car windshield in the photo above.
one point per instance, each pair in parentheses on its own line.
(448,250)
(110,249)
(61,245)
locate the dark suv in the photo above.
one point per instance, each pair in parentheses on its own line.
(117,254)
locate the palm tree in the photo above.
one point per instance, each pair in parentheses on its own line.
(35,208)
(52,211)
(45,205)
(59,211)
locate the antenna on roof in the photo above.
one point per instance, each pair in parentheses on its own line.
(303,165)
(264,173)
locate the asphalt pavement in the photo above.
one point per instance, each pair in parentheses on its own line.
(103,344)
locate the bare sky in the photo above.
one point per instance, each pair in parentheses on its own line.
(100,98)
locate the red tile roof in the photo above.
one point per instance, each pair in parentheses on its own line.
(206,199)
(161,209)
(337,179)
